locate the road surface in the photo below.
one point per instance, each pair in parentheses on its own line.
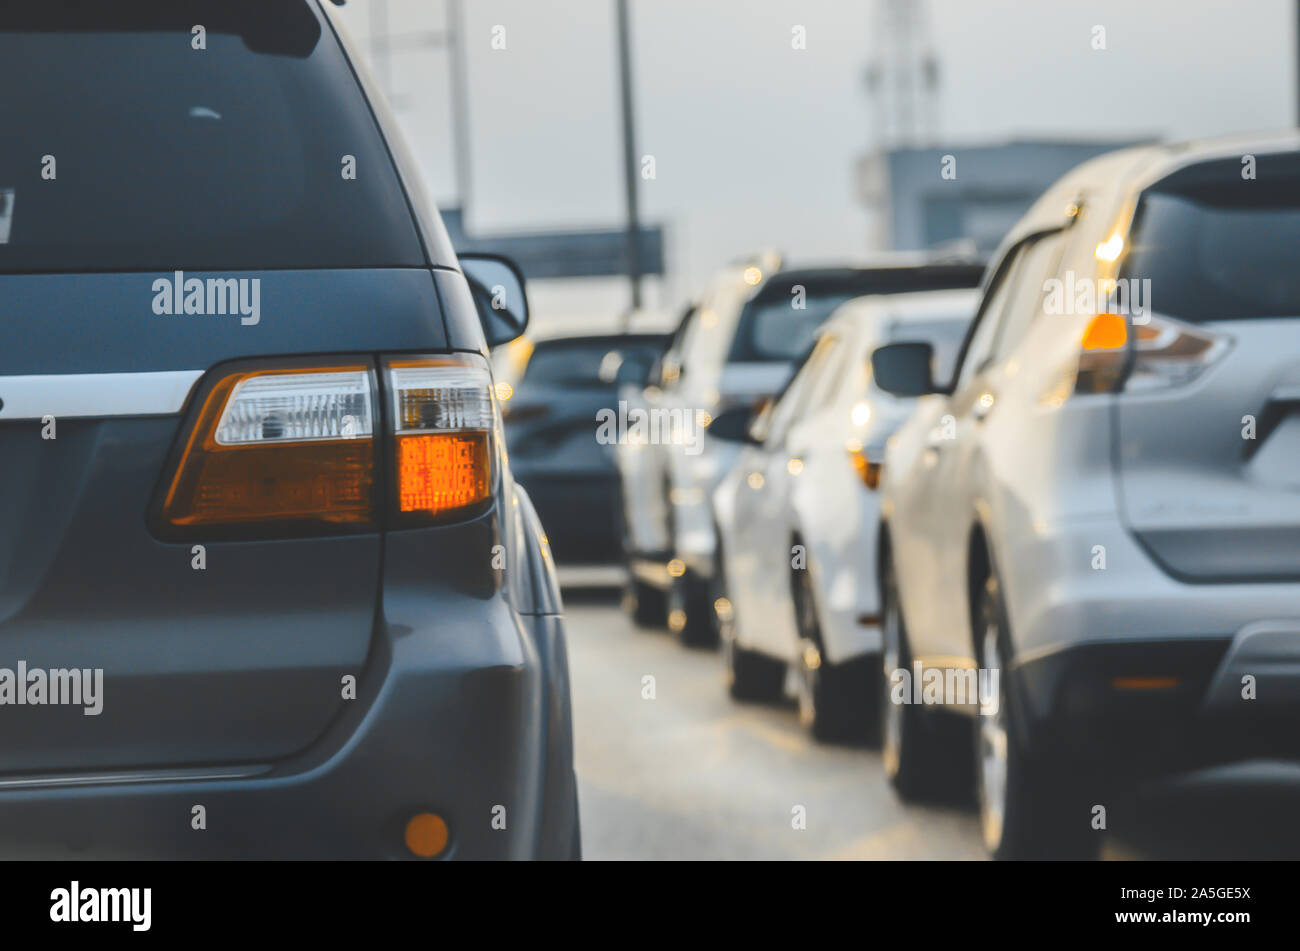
(690,774)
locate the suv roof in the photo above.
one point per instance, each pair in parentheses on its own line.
(1108,182)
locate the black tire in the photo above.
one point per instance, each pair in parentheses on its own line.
(695,625)
(575,847)
(752,676)
(836,701)
(1035,811)
(748,675)
(647,605)
(924,756)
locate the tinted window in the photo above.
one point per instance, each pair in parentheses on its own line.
(777,330)
(166,156)
(589,363)
(772,327)
(790,403)
(1038,263)
(979,343)
(1219,247)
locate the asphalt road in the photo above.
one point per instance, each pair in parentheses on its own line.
(690,774)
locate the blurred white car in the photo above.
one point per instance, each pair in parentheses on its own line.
(797,515)
(738,347)
(663,463)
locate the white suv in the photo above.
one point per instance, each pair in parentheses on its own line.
(1103,506)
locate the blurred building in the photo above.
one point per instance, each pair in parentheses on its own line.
(956,196)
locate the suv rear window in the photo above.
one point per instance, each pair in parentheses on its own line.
(1217,246)
(591,362)
(773,329)
(162,155)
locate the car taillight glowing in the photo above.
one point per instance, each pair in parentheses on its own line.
(278,445)
(301,447)
(443,421)
(1118,354)
(867,469)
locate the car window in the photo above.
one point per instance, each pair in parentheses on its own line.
(791,402)
(979,343)
(775,329)
(134,151)
(595,363)
(670,363)
(1215,246)
(1037,263)
(827,376)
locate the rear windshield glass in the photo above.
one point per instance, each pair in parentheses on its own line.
(780,322)
(777,330)
(1217,246)
(597,362)
(130,140)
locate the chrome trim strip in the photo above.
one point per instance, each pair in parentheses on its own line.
(73,395)
(133,776)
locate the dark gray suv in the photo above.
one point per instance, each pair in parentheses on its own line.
(267,587)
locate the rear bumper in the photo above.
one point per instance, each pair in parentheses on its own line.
(457,716)
(1147,708)
(1123,665)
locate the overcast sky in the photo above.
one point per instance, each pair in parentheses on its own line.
(755,142)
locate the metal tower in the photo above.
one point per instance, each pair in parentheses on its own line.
(902,76)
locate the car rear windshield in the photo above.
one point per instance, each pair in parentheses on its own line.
(1218,244)
(590,362)
(218,134)
(779,323)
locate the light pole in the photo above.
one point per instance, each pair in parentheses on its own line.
(629,157)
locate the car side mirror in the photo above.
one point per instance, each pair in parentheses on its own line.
(732,425)
(904,369)
(497,286)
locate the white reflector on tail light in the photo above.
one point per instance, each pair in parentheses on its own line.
(443,419)
(276,445)
(296,407)
(1171,353)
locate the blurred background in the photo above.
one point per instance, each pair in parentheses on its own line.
(813,127)
(639,160)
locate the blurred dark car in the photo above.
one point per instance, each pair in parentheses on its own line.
(551,427)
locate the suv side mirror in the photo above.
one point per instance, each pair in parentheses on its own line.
(904,369)
(732,425)
(497,286)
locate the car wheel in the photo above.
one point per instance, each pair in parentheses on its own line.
(751,675)
(748,674)
(690,611)
(1027,807)
(912,748)
(575,844)
(835,700)
(647,605)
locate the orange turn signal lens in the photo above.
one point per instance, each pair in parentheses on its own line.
(444,414)
(438,472)
(1105,332)
(868,471)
